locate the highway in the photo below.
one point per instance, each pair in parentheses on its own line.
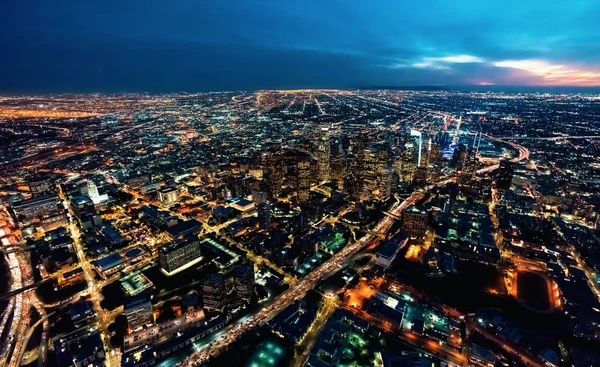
(163,330)
(230,333)
(22,278)
(43,320)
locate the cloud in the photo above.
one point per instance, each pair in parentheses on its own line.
(554,74)
(434,63)
(442,63)
(430,65)
(459,59)
(214,45)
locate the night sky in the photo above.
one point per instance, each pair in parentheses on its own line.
(203,45)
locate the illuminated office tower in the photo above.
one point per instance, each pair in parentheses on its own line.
(179,255)
(421,175)
(338,168)
(243,280)
(168,195)
(93,194)
(352,179)
(305,145)
(370,170)
(397,164)
(505,174)
(259,195)
(436,154)
(322,155)
(264,215)
(408,166)
(459,157)
(214,292)
(426,153)
(138,313)
(385,183)
(359,143)
(418,139)
(414,222)
(375,163)
(302,177)
(273,170)
(472,160)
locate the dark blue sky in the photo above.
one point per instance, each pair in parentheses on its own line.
(161,46)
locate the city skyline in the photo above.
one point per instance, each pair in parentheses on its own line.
(435,227)
(207,46)
(312,183)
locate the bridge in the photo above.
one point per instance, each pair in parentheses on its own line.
(23,289)
(393,216)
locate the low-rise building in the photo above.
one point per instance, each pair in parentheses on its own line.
(387,253)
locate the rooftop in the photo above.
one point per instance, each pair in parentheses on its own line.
(267,354)
(135,283)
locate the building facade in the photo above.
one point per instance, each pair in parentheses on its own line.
(179,254)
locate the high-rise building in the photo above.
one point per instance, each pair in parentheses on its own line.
(385,183)
(237,186)
(373,172)
(259,192)
(353,184)
(138,313)
(414,222)
(179,255)
(41,186)
(302,177)
(273,170)
(214,292)
(259,197)
(92,192)
(243,280)
(168,195)
(360,142)
(302,221)
(459,157)
(408,162)
(85,211)
(225,193)
(264,215)
(338,168)
(436,154)
(323,156)
(370,170)
(421,175)
(426,153)
(505,174)
(417,137)
(471,160)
